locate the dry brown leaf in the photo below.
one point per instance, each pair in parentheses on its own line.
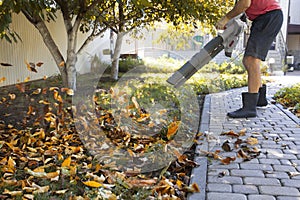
(194,188)
(21,87)
(242,154)
(39,64)
(243,132)
(230,133)
(228,160)
(142,182)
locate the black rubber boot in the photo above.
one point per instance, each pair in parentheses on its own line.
(262,99)
(249,106)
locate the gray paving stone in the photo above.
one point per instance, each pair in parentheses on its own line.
(280,156)
(291,183)
(245,189)
(216,187)
(227,196)
(269,161)
(219,166)
(285,162)
(225,179)
(256,166)
(277,190)
(284,168)
(275,174)
(261,181)
(260,197)
(247,173)
(287,198)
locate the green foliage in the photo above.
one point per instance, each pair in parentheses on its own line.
(289,96)
(129,63)
(224,68)
(162,64)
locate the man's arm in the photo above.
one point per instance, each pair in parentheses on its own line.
(240,7)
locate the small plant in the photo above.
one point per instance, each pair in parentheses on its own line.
(289,97)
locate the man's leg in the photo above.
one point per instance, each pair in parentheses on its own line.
(252,66)
(249,99)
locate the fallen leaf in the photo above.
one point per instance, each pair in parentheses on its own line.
(243,132)
(172,129)
(12,193)
(21,87)
(226,147)
(194,188)
(12,96)
(228,160)
(252,141)
(67,162)
(293,174)
(242,154)
(43,189)
(37,91)
(230,133)
(92,184)
(136,104)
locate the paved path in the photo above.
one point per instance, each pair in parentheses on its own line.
(274,174)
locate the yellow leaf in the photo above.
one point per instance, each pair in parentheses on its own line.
(2,79)
(67,162)
(27,79)
(61,64)
(252,141)
(172,129)
(53,174)
(11,163)
(37,91)
(3,161)
(92,184)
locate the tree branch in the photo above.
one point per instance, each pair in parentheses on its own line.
(90,38)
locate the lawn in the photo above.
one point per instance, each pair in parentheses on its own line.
(130,139)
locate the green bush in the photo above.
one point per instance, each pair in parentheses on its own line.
(129,63)
(288,96)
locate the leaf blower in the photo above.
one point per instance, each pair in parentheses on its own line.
(226,40)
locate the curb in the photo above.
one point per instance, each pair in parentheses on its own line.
(199,174)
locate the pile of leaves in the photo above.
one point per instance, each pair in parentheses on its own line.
(289,97)
(43,156)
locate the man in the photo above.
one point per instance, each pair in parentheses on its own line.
(267,18)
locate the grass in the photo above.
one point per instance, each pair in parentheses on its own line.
(147,83)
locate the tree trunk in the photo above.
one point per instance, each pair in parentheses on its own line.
(55,52)
(115,60)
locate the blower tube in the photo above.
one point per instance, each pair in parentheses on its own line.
(208,52)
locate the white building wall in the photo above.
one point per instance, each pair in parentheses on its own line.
(33,49)
(294,12)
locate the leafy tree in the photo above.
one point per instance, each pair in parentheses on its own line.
(93,17)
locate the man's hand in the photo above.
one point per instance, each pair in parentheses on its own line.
(221,24)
